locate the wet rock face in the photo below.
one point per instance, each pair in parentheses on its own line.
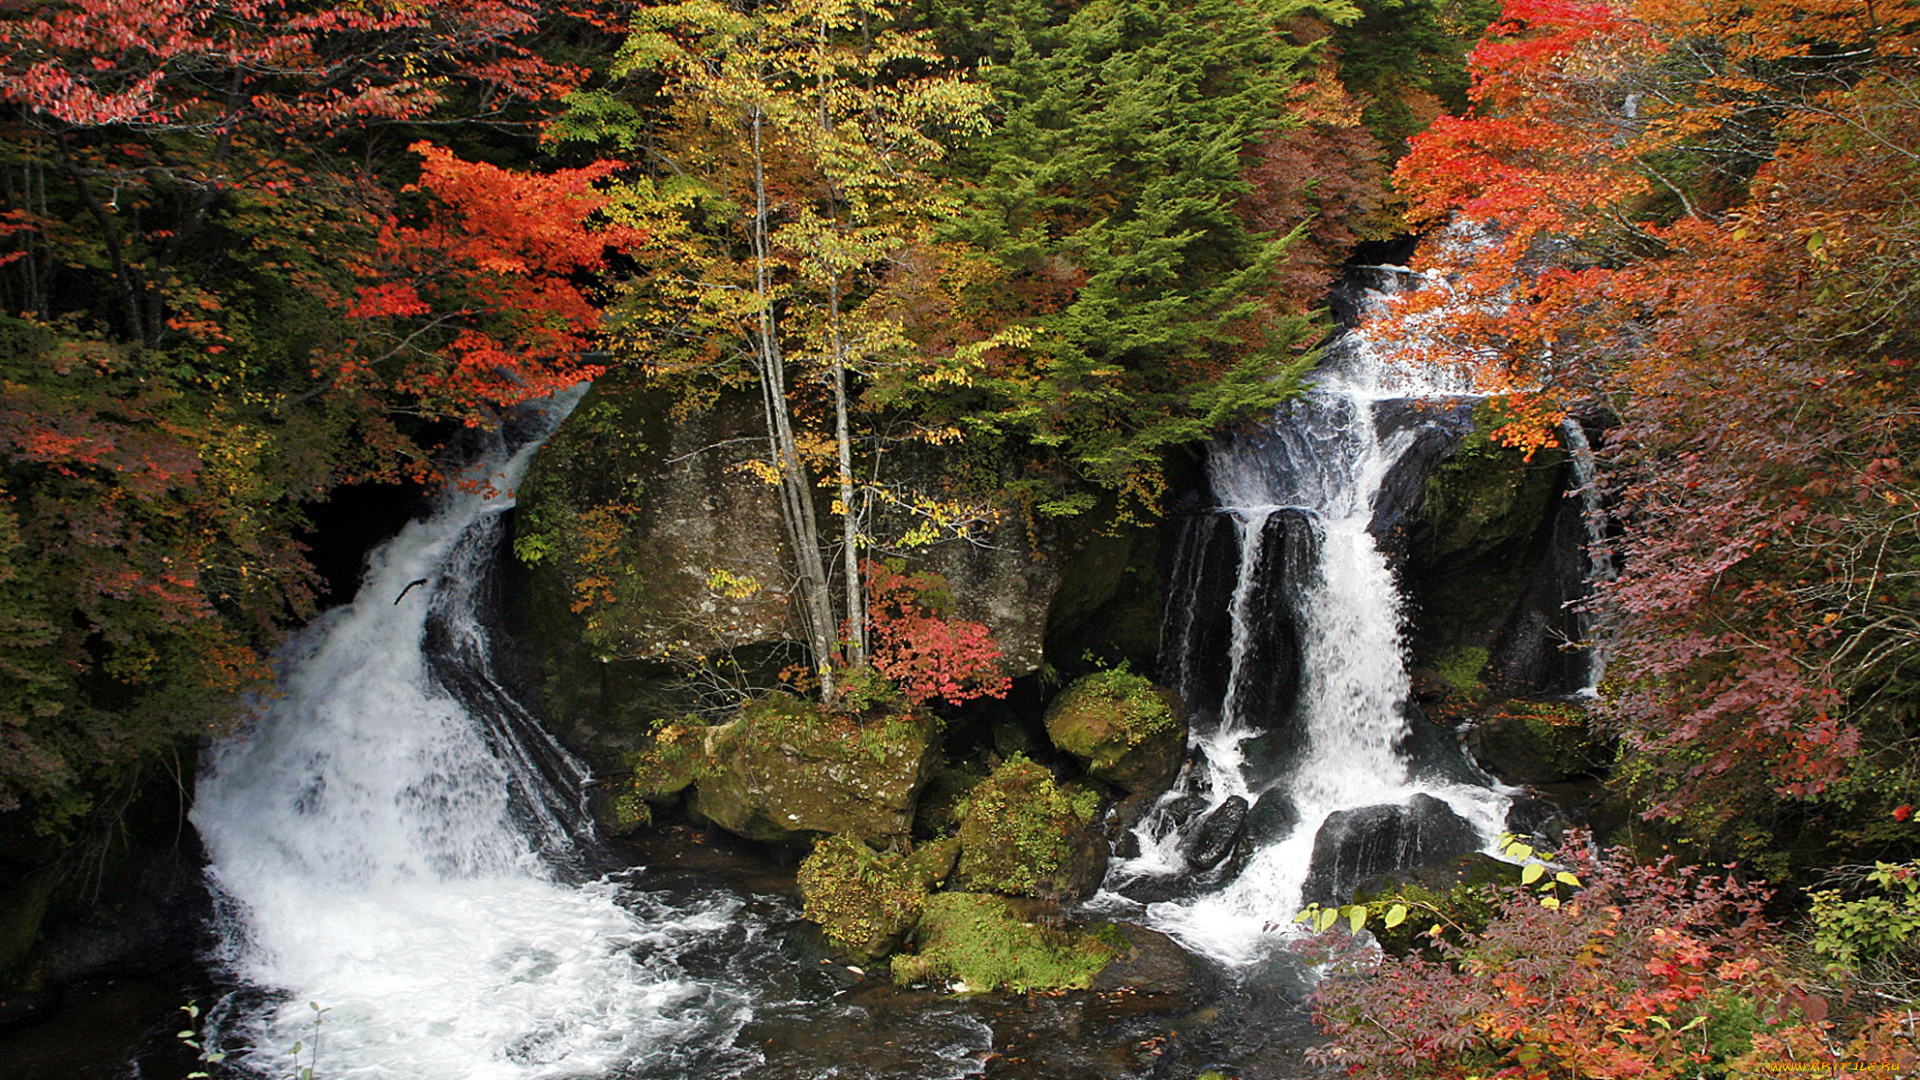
(1489,549)
(1147,962)
(1198,630)
(648,540)
(1538,749)
(1436,430)
(1209,844)
(1355,845)
(785,771)
(1126,731)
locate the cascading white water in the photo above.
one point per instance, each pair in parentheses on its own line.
(1586,476)
(380,850)
(1323,456)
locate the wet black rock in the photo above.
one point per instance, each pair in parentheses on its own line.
(1544,824)
(1437,431)
(1213,841)
(1355,845)
(1147,961)
(1272,817)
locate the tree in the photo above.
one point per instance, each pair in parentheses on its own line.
(1108,194)
(794,162)
(1700,212)
(193,199)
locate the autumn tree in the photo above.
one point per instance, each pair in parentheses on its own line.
(1701,213)
(220,304)
(791,172)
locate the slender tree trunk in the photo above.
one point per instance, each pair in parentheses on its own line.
(810,578)
(849,514)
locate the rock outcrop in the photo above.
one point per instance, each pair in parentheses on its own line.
(1126,731)
(786,770)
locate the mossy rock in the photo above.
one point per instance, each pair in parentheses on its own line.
(655,776)
(864,901)
(1487,495)
(981,940)
(1537,742)
(1127,731)
(785,770)
(1024,836)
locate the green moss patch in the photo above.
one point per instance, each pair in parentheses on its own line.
(981,941)
(1128,731)
(1020,834)
(1462,670)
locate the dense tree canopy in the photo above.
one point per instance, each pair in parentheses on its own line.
(227,290)
(1702,213)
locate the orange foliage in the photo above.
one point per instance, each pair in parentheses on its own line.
(1700,212)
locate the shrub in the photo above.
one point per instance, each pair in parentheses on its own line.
(1648,971)
(925,655)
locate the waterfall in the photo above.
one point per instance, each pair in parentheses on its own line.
(390,841)
(1586,475)
(1323,611)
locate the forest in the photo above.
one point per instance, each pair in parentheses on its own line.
(260,258)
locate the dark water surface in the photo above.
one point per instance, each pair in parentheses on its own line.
(813,1018)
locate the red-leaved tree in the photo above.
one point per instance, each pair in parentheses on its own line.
(925,655)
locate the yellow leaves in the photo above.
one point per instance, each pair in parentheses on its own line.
(764,470)
(731,585)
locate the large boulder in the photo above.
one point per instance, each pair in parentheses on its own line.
(1022,835)
(1353,846)
(787,770)
(867,901)
(649,541)
(1210,843)
(1124,729)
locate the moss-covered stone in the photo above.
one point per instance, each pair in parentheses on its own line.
(981,941)
(786,769)
(1023,836)
(651,777)
(676,759)
(1128,732)
(1537,742)
(1486,496)
(864,901)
